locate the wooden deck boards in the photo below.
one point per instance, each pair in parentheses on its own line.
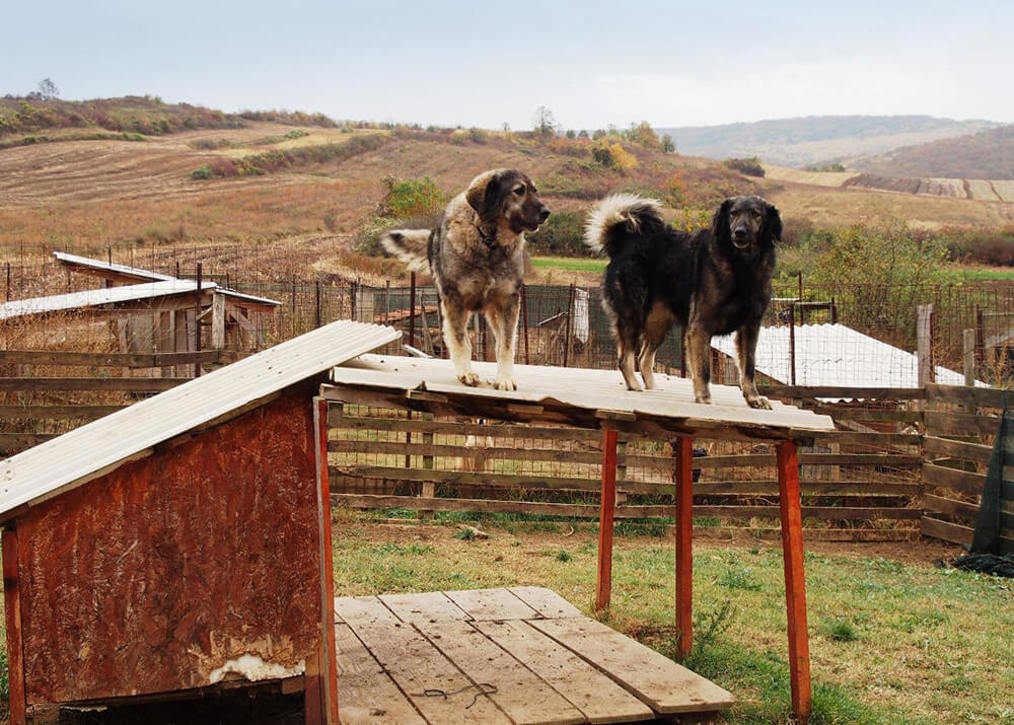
(521,655)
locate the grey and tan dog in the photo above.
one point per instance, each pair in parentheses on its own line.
(713,282)
(476,254)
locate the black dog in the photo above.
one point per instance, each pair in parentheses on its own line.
(714,282)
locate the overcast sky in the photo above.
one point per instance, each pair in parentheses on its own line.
(488,63)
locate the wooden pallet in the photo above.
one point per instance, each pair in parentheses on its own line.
(517,655)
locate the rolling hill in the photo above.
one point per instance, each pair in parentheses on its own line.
(984,155)
(269,197)
(819,140)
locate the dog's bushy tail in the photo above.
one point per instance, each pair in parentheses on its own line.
(409,245)
(617,216)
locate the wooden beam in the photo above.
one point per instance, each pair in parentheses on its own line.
(328,648)
(607,508)
(12,611)
(795,585)
(133,385)
(114,359)
(684,478)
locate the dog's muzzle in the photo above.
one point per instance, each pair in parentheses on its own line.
(740,239)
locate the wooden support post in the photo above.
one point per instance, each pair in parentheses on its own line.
(684,477)
(217,321)
(429,489)
(524,317)
(411,311)
(607,508)
(924,344)
(328,653)
(795,585)
(12,610)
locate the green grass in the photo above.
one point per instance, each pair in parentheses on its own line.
(890,642)
(570,264)
(987,273)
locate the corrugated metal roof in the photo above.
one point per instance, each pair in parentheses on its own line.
(95,297)
(99,265)
(86,452)
(835,355)
(120,295)
(593,390)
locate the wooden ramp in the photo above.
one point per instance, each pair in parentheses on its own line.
(518,655)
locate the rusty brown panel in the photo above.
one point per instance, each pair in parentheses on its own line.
(156,575)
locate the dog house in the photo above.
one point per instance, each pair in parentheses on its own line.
(181,542)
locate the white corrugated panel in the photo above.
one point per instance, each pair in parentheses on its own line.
(835,355)
(75,457)
(104,296)
(583,388)
(109,267)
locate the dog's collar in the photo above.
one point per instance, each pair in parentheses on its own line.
(488,238)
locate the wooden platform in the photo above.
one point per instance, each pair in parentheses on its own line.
(518,655)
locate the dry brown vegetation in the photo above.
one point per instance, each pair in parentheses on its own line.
(137,200)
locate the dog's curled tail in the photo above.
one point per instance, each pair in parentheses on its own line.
(409,245)
(616,216)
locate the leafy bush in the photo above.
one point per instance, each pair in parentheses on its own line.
(202,172)
(560,236)
(750,166)
(411,198)
(613,155)
(993,247)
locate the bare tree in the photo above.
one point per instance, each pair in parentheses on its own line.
(47,90)
(545,123)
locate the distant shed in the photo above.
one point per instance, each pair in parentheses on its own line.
(152,312)
(181,542)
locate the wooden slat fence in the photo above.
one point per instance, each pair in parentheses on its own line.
(864,477)
(44,393)
(961,426)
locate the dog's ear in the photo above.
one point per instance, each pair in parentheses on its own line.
(720,224)
(773,223)
(482,193)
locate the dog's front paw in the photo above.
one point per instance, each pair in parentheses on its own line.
(759,401)
(505,384)
(703,398)
(468,378)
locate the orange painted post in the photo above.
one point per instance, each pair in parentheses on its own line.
(12,610)
(684,477)
(328,649)
(607,508)
(795,585)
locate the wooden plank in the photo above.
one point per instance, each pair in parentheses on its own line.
(463,429)
(57,412)
(115,359)
(545,601)
(940,423)
(965,395)
(933,475)
(422,607)
(328,647)
(369,501)
(941,505)
(935,446)
(462,451)
(954,533)
(794,392)
(363,610)
(864,414)
(598,698)
(436,687)
(819,459)
(131,385)
(12,612)
(684,543)
(462,478)
(491,604)
(607,511)
(366,693)
(653,678)
(795,584)
(522,695)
